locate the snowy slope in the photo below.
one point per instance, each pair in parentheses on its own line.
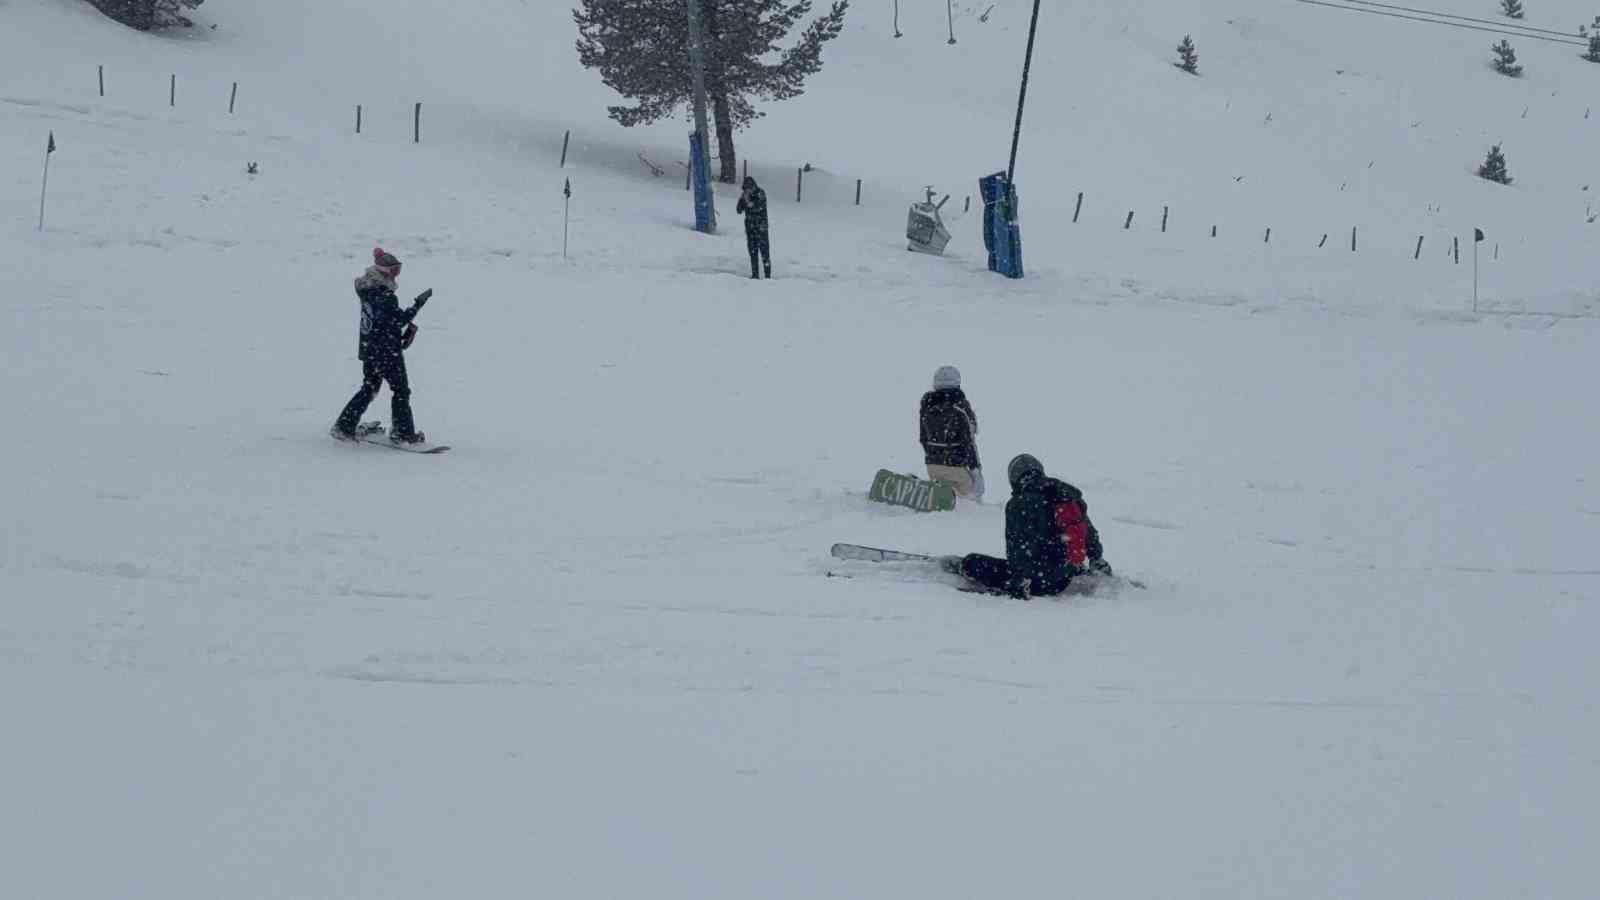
(592,651)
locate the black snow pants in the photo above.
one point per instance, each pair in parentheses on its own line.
(994,574)
(374,373)
(760,246)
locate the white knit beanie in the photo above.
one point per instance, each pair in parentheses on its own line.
(946,377)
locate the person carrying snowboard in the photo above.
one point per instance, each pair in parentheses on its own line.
(949,433)
(1049,538)
(753,206)
(386,330)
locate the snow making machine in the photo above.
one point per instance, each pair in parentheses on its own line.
(925,229)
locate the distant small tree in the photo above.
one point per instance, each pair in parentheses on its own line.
(1188,59)
(1505,61)
(1593,34)
(1494,167)
(169,13)
(1512,8)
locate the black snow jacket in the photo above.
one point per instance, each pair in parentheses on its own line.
(383,322)
(1049,537)
(949,429)
(753,206)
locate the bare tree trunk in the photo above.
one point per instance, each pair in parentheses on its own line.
(721,111)
(724,126)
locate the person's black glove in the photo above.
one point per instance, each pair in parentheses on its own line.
(1100,566)
(422,298)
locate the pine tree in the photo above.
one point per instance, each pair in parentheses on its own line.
(1506,59)
(170,12)
(1494,167)
(1188,60)
(1594,40)
(1512,8)
(639,47)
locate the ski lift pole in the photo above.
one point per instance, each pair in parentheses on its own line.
(1022,96)
(697,72)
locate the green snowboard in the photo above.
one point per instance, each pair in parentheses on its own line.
(911,491)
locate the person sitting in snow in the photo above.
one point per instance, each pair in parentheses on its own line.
(949,434)
(753,206)
(1049,538)
(386,330)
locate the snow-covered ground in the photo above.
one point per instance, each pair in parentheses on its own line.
(593,652)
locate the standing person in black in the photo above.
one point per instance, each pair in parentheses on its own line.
(948,430)
(386,330)
(753,206)
(1049,538)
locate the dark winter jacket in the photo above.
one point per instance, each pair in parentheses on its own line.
(949,431)
(383,322)
(1049,537)
(753,206)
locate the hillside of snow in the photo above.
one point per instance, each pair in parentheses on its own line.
(595,649)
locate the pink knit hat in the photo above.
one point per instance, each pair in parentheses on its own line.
(386,262)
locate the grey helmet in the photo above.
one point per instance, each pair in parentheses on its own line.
(1023,466)
(946,377)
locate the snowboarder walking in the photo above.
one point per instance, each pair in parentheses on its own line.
(753,206)
(386,330)
(1049,538)
(949,434)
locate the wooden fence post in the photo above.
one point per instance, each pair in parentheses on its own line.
(1457,249)
(858,192)
(968,207)
(172,92)
(102,81)
(1352,238)
(232,97)
(1079,208)
(1213,231)
(1128,224)
(1497,250)
(1418,254)
(1268,238)
(1323,242)
(564,141)
(358,118)
(747,167)
(799,181)
(416,124)
(1164,211)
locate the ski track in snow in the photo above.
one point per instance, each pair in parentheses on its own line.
(239,660)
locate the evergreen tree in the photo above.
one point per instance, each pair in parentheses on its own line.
(1512,8)
(1188,60)
(1594,40)
(1494,167)
(640,49)
(1506,59)
(170,12)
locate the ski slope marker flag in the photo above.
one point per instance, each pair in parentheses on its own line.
(49,148)
(1477,238)
(566,214)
